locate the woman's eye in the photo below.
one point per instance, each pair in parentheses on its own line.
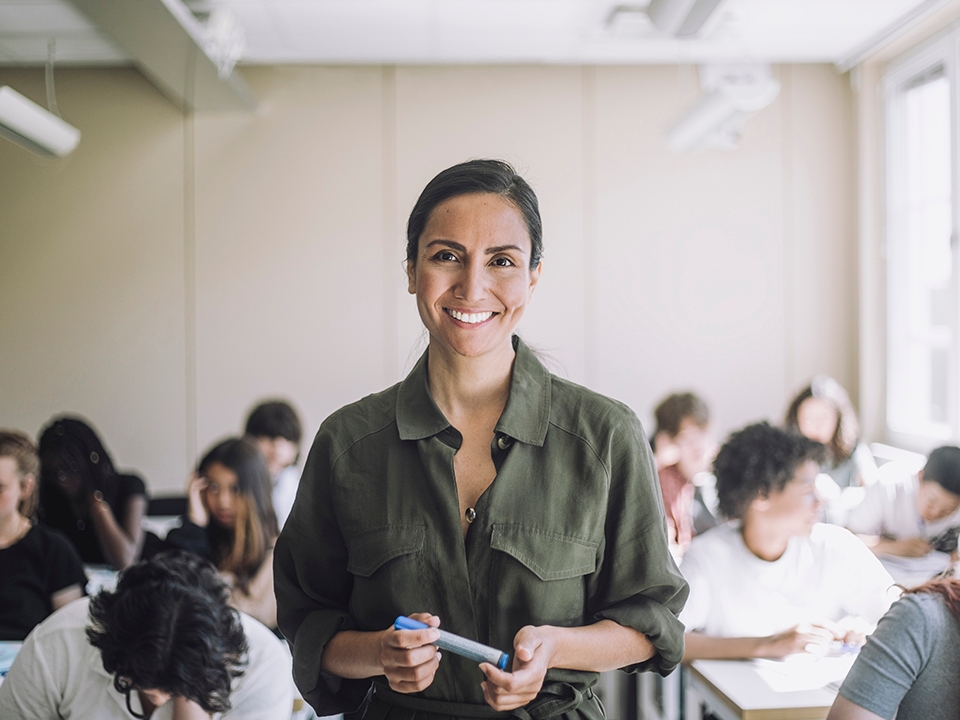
(445,256)
(503,262)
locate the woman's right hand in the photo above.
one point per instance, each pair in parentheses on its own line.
(408,657)
(813,638)
(196,510)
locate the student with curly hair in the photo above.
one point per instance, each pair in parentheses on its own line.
(41,571)
(773,581)
(908,668)
(165,645)
(230,522)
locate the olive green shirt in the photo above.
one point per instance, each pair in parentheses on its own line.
(571,531)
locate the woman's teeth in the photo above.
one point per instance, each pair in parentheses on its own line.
(470,318)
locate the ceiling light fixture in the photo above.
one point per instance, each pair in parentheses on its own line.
(30,126)
(681,18)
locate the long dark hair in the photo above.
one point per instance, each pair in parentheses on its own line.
(478,176)
(71,443)
(169,627)
(242,550)
(845,437)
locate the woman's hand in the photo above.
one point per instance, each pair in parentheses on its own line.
(408,657)
(814,638)
(196,509)
(533,650)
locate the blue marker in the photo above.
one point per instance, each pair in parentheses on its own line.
(456,644)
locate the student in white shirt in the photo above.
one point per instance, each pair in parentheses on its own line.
(166,645)
(277,430)
(910,514)
(773,581)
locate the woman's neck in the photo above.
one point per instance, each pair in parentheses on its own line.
(12,527)
(764,539)
(465,385)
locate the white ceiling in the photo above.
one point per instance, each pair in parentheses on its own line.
(481,31)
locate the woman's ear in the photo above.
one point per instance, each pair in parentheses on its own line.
(28,484)
(761,503)
(411,268)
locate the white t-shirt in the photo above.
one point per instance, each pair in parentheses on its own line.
(59,674)
(285,492)
(824,577)
(889,508)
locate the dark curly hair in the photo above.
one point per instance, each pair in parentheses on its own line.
(759,460)
(477,176)
(168,627)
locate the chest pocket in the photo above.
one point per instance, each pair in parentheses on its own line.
(387,568)
(541,575)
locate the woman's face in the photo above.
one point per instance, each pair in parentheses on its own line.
(66,477)
(12,488)
(817,419)
(222,495)
(472,275)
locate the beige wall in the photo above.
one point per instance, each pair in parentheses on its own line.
(173,270)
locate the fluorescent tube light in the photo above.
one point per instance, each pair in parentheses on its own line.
(29,125)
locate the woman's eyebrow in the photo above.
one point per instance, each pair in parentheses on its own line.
(503,248)
(447,243)
(489,251)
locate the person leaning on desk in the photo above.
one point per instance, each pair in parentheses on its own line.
(774,581)
(482,494)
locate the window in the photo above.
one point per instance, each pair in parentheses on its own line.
(923,387)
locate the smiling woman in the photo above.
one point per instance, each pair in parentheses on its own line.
(418,501)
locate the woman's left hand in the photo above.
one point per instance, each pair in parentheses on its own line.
(533,650)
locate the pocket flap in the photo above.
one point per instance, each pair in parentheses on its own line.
(369,550)
(549,555)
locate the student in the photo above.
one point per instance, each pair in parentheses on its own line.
(85,498)
(908,668)
(276,428)
(165,645)
(774,581)
(822,411)
(40,570)
(911,514)
(230,522)
(683,450)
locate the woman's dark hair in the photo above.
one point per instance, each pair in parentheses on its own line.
(675,408)
(477,176)
(845,437)
(273,419)
(759,460)
(242,550)
(943,467)
(69,444)
(168,627)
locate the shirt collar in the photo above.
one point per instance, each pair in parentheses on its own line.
(525,418)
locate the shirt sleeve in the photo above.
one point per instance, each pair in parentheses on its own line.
(265,690)
(313,586)
(697,609)
(891,660)
(638,584)
(63,565)
(868,588)
(189,537)
(867,517)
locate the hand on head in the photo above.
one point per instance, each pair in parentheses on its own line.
(196,508)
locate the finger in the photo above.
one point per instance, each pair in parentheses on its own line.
(431,620)
(407,639)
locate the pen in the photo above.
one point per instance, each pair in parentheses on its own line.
(456,644)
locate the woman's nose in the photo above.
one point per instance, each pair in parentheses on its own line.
(471,285)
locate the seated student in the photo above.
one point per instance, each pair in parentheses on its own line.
(683,449)
(277,430)
(165,645)
(774,581)
(85,498)
(910,514)
(822,411)
(908,668)
(230,522)
(40,570)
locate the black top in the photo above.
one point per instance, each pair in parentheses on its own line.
(79,528)
(40,564)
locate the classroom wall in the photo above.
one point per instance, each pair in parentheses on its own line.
(175,269)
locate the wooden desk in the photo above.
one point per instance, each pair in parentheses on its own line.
(799,688)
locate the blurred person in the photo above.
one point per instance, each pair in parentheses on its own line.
(683,449)
(908,668)
(40,570)
(166,644)
(911,514)
(277,430)
(84,497)
(230,522)
(773,581)
(822,411)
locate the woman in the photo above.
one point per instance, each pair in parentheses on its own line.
(230,522)
(482,495)
(85,498)
(908,668)
(822,411)
(40,569)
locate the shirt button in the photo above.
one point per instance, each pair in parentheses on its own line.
(503,442)
(470,514)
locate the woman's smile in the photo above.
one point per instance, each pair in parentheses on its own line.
(468,318)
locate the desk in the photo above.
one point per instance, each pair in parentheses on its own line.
(801,687)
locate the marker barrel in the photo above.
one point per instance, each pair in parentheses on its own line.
(456,644)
